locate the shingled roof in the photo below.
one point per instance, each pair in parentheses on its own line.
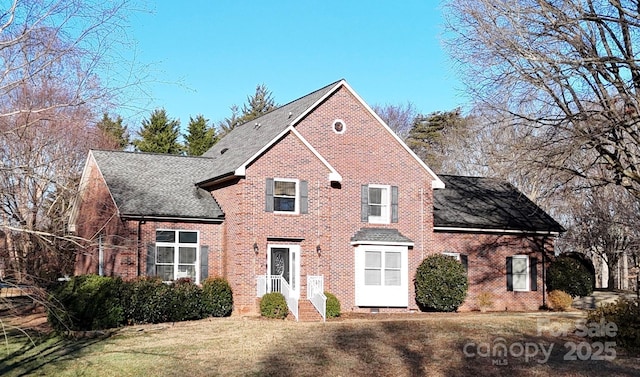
(246,140)
(487,204)
(379,235)
(156,185)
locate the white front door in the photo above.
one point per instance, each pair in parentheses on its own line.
(284,260)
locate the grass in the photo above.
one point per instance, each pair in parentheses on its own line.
(371,345)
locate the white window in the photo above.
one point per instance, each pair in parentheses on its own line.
(381,276)
(379,199)
(452,254)
(286,195)
(177,254)
(520,272)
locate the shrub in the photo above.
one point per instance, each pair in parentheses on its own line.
(441,284)
(274,305)
(485,300)
(333,305)
(147,300)
(625,314)
(88,302)
(569,275)
(184,301)
(217,297)
(559,300)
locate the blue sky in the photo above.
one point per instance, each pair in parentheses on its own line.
(208,55)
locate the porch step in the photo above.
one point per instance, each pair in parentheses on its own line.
(307,312)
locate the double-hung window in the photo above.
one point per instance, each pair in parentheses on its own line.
(382,268)
(176,254)
(522,273)
(379,204)
(288,196)
(381,275)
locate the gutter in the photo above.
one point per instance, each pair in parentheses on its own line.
(502,231)
(173,219)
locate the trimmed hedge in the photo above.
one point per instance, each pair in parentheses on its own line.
(274,305)
(333,305)
(217,297)
(569,275)
(88,302)
(441,284)
(92,302)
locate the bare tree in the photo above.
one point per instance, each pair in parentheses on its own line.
(53,84)
(565,73)
(399,118)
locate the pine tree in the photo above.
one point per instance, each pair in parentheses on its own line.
(199,137)
(260,103)
(114,130)
(429,134)
(159,134)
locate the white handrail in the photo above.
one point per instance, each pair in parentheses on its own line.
(277,283)
(315,294)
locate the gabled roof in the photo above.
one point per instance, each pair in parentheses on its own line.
(156,185)
(234,152)
(486,204)
(246,141)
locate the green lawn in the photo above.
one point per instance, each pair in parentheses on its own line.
(373,345)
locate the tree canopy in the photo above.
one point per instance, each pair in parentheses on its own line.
(258,104)
(159,134)
(567,72)
(199,137)
(114,131)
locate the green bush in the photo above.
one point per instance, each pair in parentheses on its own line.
(184,301)
(274,305)
(625,314)
(440,283)
(217,297)
(88,302)
(569,275)
(333,305)
(559,300)
(147,300)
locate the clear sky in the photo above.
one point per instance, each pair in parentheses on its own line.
(208,55)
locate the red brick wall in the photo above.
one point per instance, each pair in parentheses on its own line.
(487,255)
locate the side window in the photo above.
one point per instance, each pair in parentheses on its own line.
(462,258)
(379,204)
(522,273)
(286,196)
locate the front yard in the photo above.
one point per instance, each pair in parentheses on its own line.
(423,344)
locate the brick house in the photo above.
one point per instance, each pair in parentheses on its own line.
(317,195)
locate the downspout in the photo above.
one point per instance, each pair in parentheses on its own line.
(138,272)
(544,273)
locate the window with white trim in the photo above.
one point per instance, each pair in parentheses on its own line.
(520,271)
(285,195)
(381,275)
(177,254)
(379,204)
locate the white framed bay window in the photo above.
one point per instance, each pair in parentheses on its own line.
(381,276)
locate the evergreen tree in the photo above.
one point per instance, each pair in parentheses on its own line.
(159,134)
(114,130)
(199,137)
(260,103)
(430,135)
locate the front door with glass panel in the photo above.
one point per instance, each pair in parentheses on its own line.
(285,261)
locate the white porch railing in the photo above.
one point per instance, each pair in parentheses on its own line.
(276,283)
(315,294)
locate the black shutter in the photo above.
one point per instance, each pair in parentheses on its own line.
(268,200)
(533,273)
(509,274)
(304,197)
(204,263)
(465,262)
(394,204)
(364,203)
(151,259)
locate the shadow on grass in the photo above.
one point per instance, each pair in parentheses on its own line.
(25,356)
(414,348)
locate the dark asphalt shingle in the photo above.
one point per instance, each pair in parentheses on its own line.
(487,203)
(385,235)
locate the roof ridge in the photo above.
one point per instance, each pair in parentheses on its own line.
(148,153)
